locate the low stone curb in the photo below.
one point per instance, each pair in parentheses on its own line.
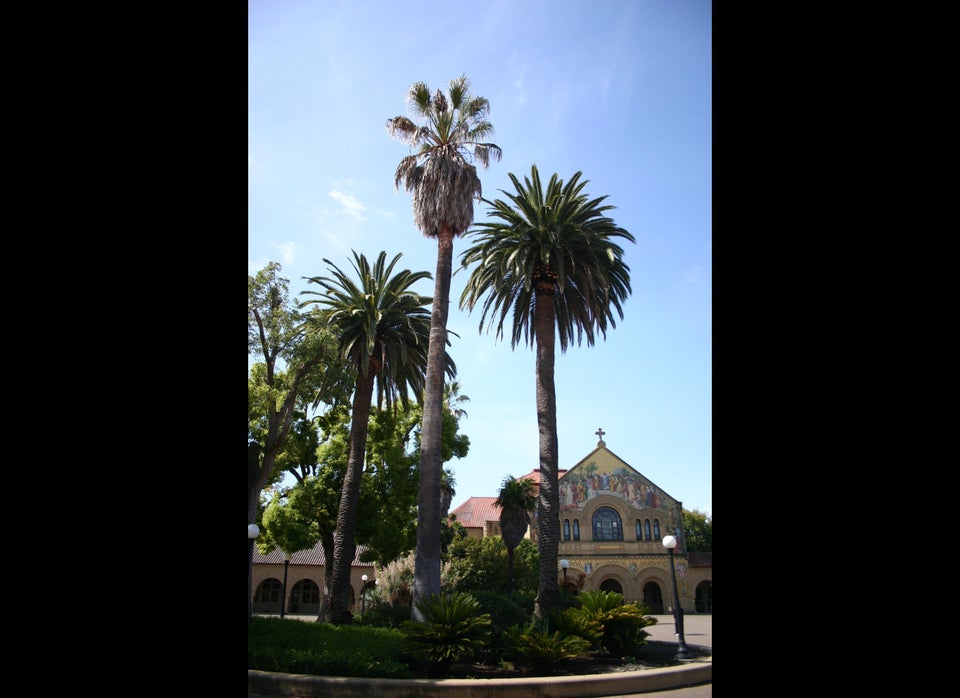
(264,684)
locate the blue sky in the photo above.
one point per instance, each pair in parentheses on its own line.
(619,90)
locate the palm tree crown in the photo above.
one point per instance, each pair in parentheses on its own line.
(516,500)
(558,243)
(439,175)
(384,327)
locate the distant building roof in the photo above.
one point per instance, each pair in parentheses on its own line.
(476,511)
(310,556)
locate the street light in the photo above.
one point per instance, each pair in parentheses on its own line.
(669,542)
(286,565)
(564,564)
(363,589)
(252,532)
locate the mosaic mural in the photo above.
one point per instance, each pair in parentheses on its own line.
(590,479)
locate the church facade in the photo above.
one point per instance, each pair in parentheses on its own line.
(613,521)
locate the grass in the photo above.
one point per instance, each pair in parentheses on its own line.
(322,649)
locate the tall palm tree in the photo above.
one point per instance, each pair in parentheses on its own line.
(384,334)
(443,183)
(516,501)
(550,258)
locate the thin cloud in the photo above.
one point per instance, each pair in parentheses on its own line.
(287,250)
(350,205)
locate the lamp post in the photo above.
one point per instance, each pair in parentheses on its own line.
(669,542)
(363,589)
(283,601)
(252,532)
(564,564)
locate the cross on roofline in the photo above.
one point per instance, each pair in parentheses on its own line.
(600,432)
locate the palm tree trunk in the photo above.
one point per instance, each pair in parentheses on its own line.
(326,542)
(344,541)
(426,570)
(548,499)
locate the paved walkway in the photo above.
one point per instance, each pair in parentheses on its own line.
(697,629)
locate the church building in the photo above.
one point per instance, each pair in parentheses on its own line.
(612,524)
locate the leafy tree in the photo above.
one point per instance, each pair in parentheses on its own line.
(697,531)
(286,528)
(298,367)
(550,258)
(388,490)
(443,183)
(482,564)
(383,335)
(516,500)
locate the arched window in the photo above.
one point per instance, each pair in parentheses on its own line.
(576,529)
(656,529)
(566,529)
(607,525)
(639,531)
(646,528)
(269,591)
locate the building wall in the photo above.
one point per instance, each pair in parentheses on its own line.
(295,573)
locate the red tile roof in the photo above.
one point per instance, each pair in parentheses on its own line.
(310,556)
(535,475)
(476,511)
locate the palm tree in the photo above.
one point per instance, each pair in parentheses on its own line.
(452,399)
(443,183)
(550,258)
(516,501)
(448,491)
(383,335)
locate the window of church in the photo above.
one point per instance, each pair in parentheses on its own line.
(566,529)
(639,531)
(576,529)
(646,528)
(607,525)
(656,529)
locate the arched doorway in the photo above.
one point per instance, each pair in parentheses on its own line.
(653,598)
(305,597)
(611,585)
(267,597)
(704,598)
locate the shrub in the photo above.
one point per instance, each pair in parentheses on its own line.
(384,615)
(534,647)
(454,628)
(300,647)
(623,624)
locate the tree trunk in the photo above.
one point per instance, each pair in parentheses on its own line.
(426,571)
(548,499)
(344,540)
(326,541)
